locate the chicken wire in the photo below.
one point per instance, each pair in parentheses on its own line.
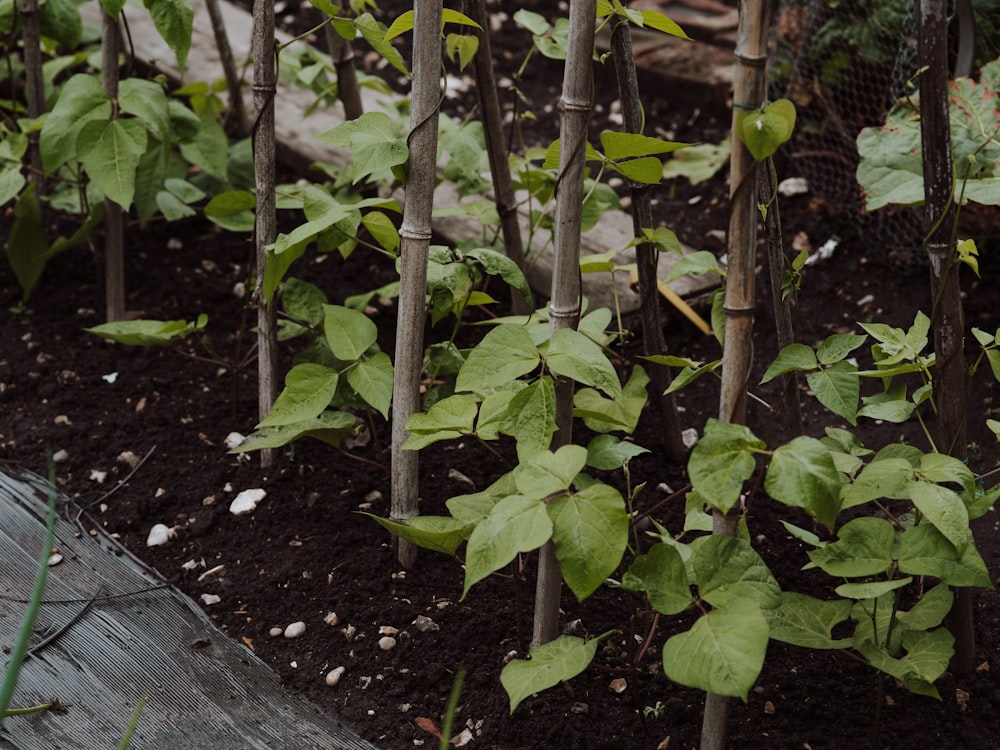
(844,63)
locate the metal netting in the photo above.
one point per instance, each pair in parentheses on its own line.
(844,63)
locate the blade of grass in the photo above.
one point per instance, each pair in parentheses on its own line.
(132,723)
(449,714)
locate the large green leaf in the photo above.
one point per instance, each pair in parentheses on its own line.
(348,332)
(308,390)
(943,508)
(727,568)
(174,20)
(551,663)
(606,452)
(838,389)
(148,332)
(722,461)
(449,418)
(661,574)
(504,354)
(532,417)
(863,548)
(437,533)
(923,550)
(573,355)
(208,149)
(926,659)
(60,20)
(722,653)
(601,414)
(808,622)
(516,524)
(373,141)
(81,99)
(930,610)
(548,473)
(888,478)
(110,152)
(148,102)
(791,359)
(803,474)
(589,532)
(27,245)
(329,427)
(372,380)
(498,264)
(765,129)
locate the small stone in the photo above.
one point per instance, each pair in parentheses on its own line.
(239,290)
(387,643)
(234,440)
(387,630)
(246,501)
(159,535)
(464,738)
(618,684)
(96,475)
(275,632)
(581,709)
(175,244)
(128,458)
(295,630)
(210,500)
(425,624)
(55,559)
(349,632)
(210,599)
(61,419)
(373,497)
(331,618)
(689,437)
(334,675)
(793,186)
(769,707)
(60,456)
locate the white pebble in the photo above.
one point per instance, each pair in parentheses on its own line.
(158,535)
(210,599)
(387,643)
(234,440)
(425,624)
(295,630)
(331,618)
(334,675)
(60,456)
(387,630)
(55,559)
(275,632)
(128,458)
(246,501)
(689,437)
(96,475)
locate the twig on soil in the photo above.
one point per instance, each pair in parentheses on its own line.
(121,483)
(69,623)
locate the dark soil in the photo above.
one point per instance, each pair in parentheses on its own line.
(305,552)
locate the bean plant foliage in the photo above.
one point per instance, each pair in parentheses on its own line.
(890,524)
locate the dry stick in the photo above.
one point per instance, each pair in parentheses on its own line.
(496,149)
(749,89)
(34,84)
(947,316)
(564,308)
(415,236)
(646,255)
(348,91)
(784,328)
(264,75)
(238,110)
(114,224)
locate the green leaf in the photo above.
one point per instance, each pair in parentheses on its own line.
(308,390)
(551,663)
(532,420)
(863,548)
(606,452)
(60,20)
(11,182)
(605,415)
(943,508)
(475,507)
(372,380)
(728,569)
(696,263)
(27,245)
(662,575)
(449,418)
(373,141)
(791,359)
(808,622)
(571,354)
(548,473)
(329,427)
(348,332)
(930,610)
(516,524)
(870,589)
(699,163)
(303,301)
(147,101)
(461,48)
(147,332)
(764,130)
(436,533)
(402,24)
(503,355)
(926,659)
(838,346)
(174,20)
(888,478)
(942,468)
(172,207)
(722,653)
(619,145)
(498,264)
(111,152)
(81,99)
(654,19)
(589,532)
(374,33)
(230,203)
(924,550)
(722,461)
(838,389)
(382,230)
(802,474)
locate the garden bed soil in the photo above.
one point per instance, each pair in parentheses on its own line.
(307,552)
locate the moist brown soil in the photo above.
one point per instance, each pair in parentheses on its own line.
(306,552)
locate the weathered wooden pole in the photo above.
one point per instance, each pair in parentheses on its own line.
(114,223)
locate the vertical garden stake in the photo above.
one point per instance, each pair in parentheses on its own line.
(503,186)
(947,317)
(564,308)
(263,51)
(31,37)
(749,90)
(114,224)
(348,91)
(415,236)
(646,254)
(237,109)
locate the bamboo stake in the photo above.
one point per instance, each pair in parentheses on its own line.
(564,309)
(749,90)
(31,37)
(342,54)
(114,224)
(950,386)
(496,149)
(265,219)
(237,108)
(646,254)
(415,235)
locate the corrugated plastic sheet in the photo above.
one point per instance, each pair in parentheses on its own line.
(203,690)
